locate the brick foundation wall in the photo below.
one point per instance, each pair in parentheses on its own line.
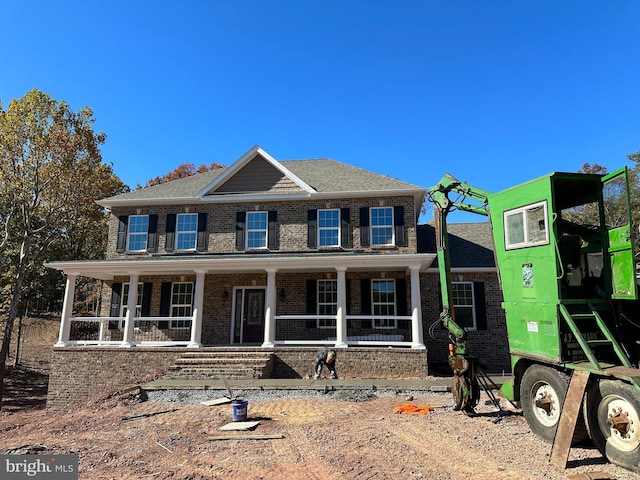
(80,373)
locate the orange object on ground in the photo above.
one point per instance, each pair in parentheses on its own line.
(413,409)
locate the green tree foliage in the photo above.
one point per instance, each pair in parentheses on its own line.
(183,170)
(51,173)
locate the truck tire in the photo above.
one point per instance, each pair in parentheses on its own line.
(542,392)
(619,440)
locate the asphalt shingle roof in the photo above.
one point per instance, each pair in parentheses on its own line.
(470,244)
(324,175)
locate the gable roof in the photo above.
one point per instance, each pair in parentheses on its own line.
(258,176)
(470,244)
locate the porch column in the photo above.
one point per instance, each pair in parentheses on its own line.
(270,309)
(129,319)
(417,336)
(341,314)
(196,318)
(67,309)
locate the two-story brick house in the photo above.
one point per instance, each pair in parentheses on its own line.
(268,254)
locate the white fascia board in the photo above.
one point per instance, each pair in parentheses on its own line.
(108,269)
(242,161)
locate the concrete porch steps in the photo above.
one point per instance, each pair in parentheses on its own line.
(222,364)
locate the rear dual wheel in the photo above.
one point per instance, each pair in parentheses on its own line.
(612,414)
(542,392)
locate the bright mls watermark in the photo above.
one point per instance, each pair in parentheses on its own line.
(39,467)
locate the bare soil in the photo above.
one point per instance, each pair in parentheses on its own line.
(118,435)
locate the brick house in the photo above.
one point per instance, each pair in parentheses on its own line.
(282,256)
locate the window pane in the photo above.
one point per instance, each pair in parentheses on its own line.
(515,228)
(181,301)
(187,229)
(384,303)
(138,226)
(536,225)
(256,229)
(328,228)
(382,226)
(327,302)
(462,293)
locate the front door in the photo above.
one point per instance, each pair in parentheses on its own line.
(249,315)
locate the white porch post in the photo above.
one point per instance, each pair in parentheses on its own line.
(129,319)
(417,340)
(341,314)
(270,309)
(67,309)
(196,318)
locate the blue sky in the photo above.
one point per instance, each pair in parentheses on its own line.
(494,92)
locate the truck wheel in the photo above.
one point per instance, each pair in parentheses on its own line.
(612,414)
(542,392)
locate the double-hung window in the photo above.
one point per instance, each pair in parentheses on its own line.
(186,231)
(382,226)
(125,301)
(257,223)
(181,303)
(137,234)
(464,304)
(384,303)
(329,228)
(526,226)
(327,302)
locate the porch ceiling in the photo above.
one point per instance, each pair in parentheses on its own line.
(258,263)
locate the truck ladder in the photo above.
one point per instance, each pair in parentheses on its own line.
(585,344)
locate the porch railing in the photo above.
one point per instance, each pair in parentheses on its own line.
(361,330)
(156,331)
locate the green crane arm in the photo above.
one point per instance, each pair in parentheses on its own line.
(443,204)
(465,386)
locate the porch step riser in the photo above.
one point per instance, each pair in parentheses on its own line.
(211,365)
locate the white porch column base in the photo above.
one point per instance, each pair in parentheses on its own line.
(129,319)
(196,319)
(270,310)
(341,323)
(417,335)
(67,308)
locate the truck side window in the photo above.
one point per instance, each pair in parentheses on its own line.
(526,226)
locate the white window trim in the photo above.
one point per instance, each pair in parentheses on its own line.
(173,324)
(523,211)
(474,325)
(265,230)
(376,227)
(395,304)
(129,234)
(336,228)
(318,303)
(186,232)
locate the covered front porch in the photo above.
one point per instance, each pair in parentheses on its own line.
(339,300)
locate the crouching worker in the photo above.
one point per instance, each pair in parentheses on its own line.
(327,358)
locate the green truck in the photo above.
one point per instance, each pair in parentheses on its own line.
(564,251)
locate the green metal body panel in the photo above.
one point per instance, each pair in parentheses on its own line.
(564,253)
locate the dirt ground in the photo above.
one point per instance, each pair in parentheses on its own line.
(120,436)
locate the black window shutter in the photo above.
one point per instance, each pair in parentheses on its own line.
(347,286)
(364,227)
(480,305)
(365,293)
(201,244)
(272,242)
(240,224)
(123,221)
(401,296)
(312,228)
(114,311)
(152,234)
(312,306)
(165,304)
(345,228)
(146,299)
(170,237)
(398,223)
